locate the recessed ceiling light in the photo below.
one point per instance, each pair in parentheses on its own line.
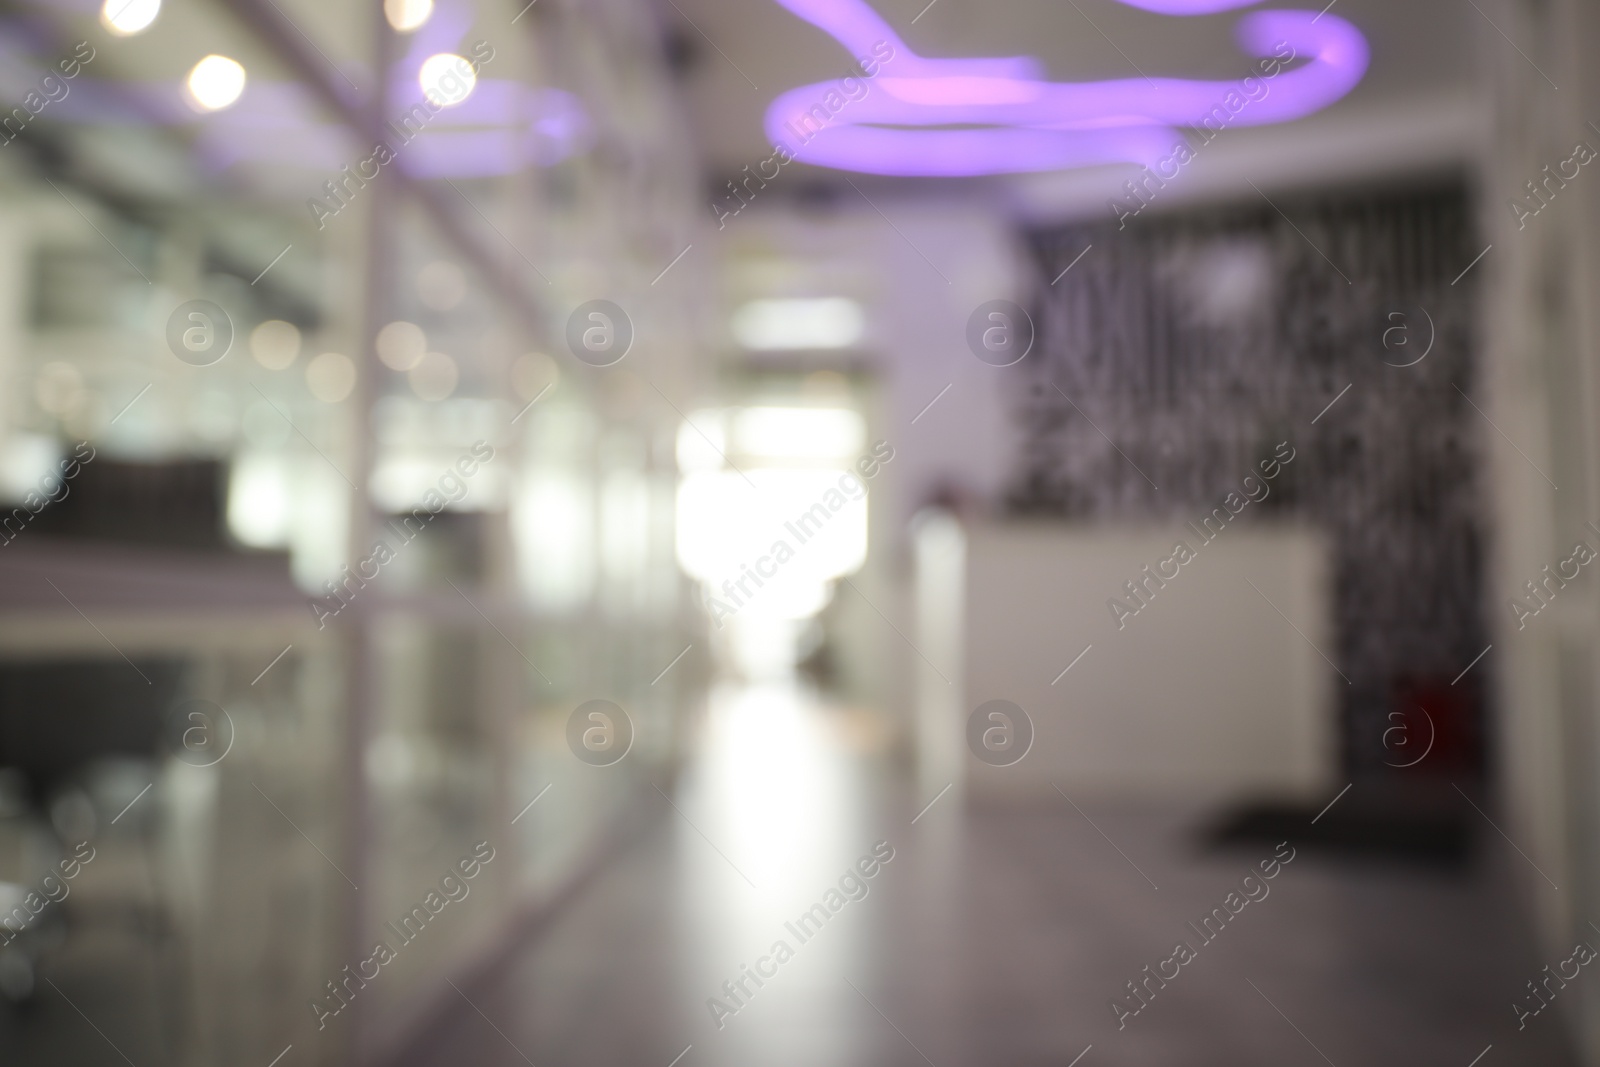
(407,15)
(124,18)
(331,377)
(215,82)
(446,79)
(275,344)
(401,345)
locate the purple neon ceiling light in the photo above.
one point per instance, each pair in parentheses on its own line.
(970,116)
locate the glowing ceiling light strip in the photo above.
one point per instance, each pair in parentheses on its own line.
(1016,121)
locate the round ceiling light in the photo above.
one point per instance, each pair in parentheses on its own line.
(407,15)
(124,18)
(446,79)
(215,82)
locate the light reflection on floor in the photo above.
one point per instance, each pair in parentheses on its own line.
(787,788)
(774,788)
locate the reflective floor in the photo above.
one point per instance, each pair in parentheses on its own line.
(993,937)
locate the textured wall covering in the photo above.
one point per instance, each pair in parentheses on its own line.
(1180,349)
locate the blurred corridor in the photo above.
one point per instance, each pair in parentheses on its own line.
(819,531)
(993,937)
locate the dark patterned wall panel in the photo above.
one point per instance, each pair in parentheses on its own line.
(1181,349)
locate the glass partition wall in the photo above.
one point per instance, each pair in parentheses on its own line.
(330,507)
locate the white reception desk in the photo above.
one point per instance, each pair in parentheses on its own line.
(1214,690)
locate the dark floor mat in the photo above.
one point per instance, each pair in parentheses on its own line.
(1435,831)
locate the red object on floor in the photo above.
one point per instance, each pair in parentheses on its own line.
(1433,729)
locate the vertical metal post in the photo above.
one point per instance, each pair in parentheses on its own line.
(364,677)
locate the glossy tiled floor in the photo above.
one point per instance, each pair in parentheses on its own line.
(994,938)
